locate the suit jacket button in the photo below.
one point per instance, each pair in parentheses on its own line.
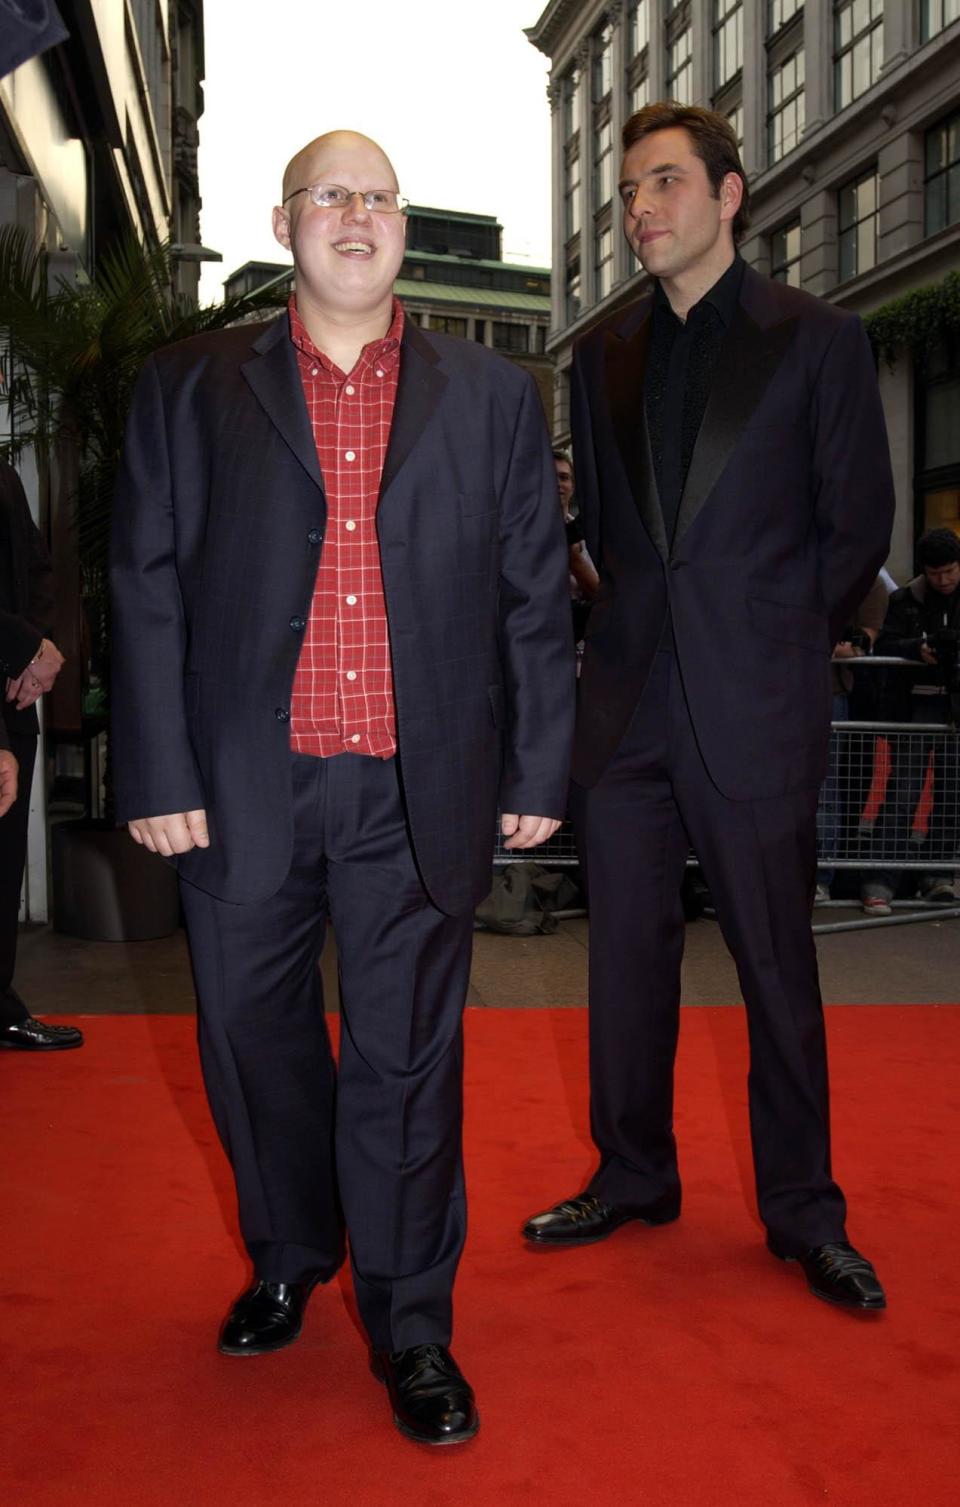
(675,564)
(314,536)
(298,624)
(281,714)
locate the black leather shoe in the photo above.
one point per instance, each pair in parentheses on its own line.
(33,1035)
(433,1402)
(585,1219)
(839,1274)
(266,1317)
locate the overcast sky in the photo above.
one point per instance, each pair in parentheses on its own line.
(454,93)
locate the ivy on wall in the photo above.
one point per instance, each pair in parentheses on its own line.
(918,320)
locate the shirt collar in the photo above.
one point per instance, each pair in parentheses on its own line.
(722,297)
(374,350)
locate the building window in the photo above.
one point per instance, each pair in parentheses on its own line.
(602,63)
(857,217)
(779,12)
(680,60)
(638,31)
(727,41)
(735,118)
(935,15)
(942,176)
(603,165)
(785,112)
(857,48)
(604,262)
(640,94)
(446,324)
(938,437)
(571,194)
(510,337)
(573,289)
(785,254)
(571,104)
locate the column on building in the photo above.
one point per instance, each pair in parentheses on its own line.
(558,313)
(901,33)
(700,15)
(618,114)
(587,278)
(753,154)
(900,172)
(818,67)
(818,233)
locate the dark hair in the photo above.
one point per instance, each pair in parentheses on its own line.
(713,142)
(564,456)
(938,546)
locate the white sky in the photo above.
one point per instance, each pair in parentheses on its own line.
(453,91)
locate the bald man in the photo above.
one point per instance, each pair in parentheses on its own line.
(342,638)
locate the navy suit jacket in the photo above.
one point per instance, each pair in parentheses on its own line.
(219,516)
(784,521)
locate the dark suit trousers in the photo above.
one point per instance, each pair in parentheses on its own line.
(13,853)
(377,1145)
(635,827)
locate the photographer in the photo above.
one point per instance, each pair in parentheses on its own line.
(923,624)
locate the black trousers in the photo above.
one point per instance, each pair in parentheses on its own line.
(635,828)
(380,1149)
(13,855)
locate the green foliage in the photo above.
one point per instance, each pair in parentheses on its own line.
(69,359)
(917,321)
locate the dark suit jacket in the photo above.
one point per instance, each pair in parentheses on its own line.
(26,597)
(784,521)
(218,517)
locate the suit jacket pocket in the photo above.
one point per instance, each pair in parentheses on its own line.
(789,624)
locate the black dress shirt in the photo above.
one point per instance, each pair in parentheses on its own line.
(680,367)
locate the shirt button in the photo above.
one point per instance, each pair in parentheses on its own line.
(314,372)
(314,536)
(351,674)
(349,391)
(350,525)
(281,714)
(379,373)
(298,624)
(355,738)
(351,601)
(350,455)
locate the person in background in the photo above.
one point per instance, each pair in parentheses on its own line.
(922,623)
(29,664)
(584,581)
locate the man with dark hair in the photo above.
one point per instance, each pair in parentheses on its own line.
(583,576)
(734,482)
(29,664)
(923,624)
(341,635)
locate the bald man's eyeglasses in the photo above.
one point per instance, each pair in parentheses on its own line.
(380,201)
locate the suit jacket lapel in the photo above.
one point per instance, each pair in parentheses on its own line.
(625,363)
(419,390)
(274,377)
(748,361)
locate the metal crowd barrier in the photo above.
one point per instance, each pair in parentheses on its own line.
(890,804)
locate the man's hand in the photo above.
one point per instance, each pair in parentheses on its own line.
(527,831)
(38,677)
(927,655)
(847,650)
(9,769)
(177,833)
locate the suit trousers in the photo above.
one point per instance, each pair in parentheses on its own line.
(635,830)
(377,1144)
(13,855)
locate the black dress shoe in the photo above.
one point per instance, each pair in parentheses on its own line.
(839,1274)
(585,1219)
(33,1035)
(266,1317)
(433,1402)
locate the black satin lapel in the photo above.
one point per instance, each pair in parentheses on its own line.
(625,363)
(747,364)
(275,381)
(419,391)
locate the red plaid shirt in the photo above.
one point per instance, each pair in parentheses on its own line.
(343,688)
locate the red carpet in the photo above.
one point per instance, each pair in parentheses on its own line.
(675,1368)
